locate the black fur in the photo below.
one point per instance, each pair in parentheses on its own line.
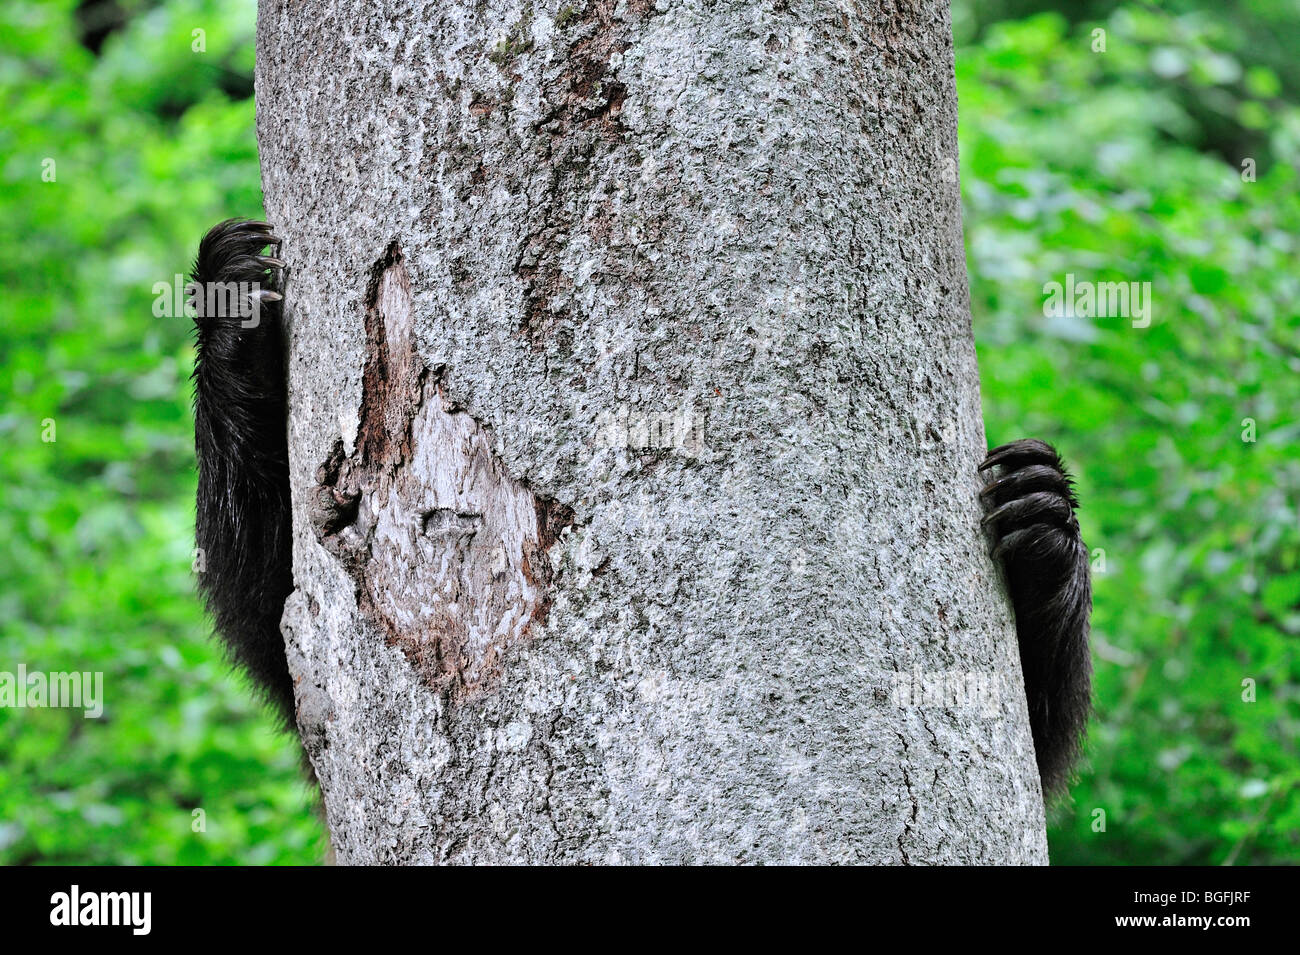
(242,514)
(1031,522)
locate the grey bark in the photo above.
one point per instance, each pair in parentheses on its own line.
(634,424)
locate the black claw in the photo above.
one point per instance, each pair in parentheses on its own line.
(1018,454)
(232,252)
(1019,483)
(1014,542)
(1039,544)
(1038,507)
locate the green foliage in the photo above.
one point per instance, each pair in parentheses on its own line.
(1096,164)
(98,525)
(1072,162)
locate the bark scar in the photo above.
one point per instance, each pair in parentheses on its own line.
(450,554)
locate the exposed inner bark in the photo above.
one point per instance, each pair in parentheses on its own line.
(449,553)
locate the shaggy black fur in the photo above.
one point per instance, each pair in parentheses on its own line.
(1035,534)
(242,515)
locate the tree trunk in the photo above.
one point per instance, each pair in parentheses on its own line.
(634,424)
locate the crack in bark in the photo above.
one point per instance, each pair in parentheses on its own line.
(586,103)
(907,823)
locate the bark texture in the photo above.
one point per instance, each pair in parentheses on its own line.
(634,425)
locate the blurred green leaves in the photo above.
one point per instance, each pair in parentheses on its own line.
(148,151)
(1075,162)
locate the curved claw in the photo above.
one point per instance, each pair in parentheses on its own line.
(1018,454)
(1026,480)
(232,252)
(1037,507)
